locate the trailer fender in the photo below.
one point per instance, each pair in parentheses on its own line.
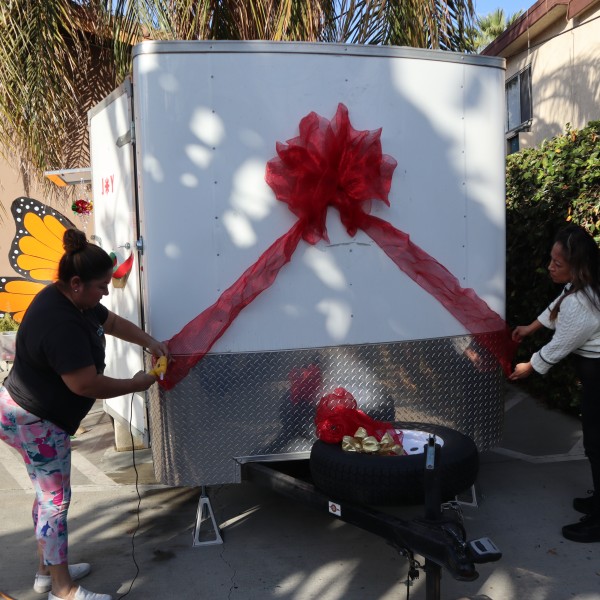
(394,480)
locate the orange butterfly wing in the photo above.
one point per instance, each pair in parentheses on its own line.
(35,253)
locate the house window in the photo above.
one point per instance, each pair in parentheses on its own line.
(512,144)
(518,101)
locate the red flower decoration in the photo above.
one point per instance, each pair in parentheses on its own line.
(338,415)
(339,398)
(82,207)
(330,163)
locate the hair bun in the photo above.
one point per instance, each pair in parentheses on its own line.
(74,240)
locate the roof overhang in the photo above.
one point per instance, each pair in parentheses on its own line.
(534,21)
(64,177)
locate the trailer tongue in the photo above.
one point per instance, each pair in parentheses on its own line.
(439,537)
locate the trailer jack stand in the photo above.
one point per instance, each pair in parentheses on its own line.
(206,531)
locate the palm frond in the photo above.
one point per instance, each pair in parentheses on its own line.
(59,57)
(45,57)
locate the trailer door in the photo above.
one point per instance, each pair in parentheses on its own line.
(116,230)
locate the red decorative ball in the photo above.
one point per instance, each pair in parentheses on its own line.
(82,207)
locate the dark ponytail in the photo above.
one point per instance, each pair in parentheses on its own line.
(82,259)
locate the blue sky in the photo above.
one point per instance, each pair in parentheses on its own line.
(484,7)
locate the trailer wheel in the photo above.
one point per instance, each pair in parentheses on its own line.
(395,480)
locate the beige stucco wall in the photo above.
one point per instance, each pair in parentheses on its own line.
(565,72)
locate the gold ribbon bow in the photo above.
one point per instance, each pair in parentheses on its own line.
(368,444)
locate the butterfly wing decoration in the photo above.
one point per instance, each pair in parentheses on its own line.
(34,254)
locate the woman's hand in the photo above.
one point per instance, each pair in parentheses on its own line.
(524,330)
(522,370)
(519,333)
(141,381)
(158,349)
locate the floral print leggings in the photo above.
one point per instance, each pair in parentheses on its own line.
(46,451)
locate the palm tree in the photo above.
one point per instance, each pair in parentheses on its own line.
(60,57)
(490,26)
(54,65)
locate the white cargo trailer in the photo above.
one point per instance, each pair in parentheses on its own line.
(178,157)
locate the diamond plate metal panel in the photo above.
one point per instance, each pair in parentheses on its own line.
(245,405)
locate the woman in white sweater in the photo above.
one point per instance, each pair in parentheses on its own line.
(575,318)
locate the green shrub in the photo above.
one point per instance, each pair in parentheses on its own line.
(547,187)
(7,323)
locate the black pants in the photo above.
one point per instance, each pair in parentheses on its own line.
(588,371)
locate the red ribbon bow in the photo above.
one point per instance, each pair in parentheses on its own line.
(332,164)
(338,415)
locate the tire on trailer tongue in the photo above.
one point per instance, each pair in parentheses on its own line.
(394,480)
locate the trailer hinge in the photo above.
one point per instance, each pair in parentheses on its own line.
(139,245)
(128,137)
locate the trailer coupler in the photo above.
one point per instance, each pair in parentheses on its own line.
(444,542)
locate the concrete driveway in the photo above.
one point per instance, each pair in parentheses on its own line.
(279,549)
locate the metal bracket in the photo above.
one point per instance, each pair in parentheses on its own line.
(473,502)
(430,453)
(127,138)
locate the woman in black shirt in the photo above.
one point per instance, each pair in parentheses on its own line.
(58,373)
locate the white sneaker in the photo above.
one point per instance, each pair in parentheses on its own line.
(43,583)
(82,594)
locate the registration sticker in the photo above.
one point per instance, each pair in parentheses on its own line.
(335,509)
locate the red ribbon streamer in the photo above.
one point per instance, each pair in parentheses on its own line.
(332,164)
(124,268)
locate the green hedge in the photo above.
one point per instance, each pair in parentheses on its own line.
(7,323)
(547,187)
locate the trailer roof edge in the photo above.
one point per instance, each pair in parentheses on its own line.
(258,46)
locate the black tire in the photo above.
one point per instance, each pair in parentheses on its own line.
(394,480)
